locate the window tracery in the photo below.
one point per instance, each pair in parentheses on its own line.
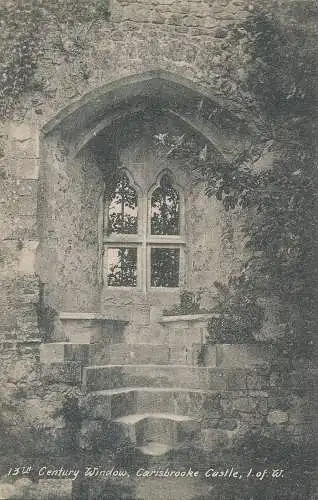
(144,245)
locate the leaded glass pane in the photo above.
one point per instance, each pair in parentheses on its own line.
(123,208)
(165,209)
(165,267)
(122,266)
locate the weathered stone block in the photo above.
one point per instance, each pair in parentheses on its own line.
(250,420)
(58,352)
(236,380)
(211,418)
(138,354)
(27,168)
(76,352)
(154,401)
(303,381)
(26,205)
(21,131)
(210,355)
(52,353)
(155,314)
(81,331)
(27,257)
(277,417)
(241,355)
(217,380)
(213,439)
(257,382)
(123,403)
(229,424)
(23,227)
(26,188)
(140,315)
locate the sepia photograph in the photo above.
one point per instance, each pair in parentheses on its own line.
(159,250)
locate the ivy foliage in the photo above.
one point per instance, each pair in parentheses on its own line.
(25,24)
(282,237)
(237,316)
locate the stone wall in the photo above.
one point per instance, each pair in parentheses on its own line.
(69,207)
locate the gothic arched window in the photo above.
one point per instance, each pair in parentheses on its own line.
(144,246)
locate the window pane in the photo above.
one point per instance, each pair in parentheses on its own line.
(165,209)
(122,213)
(165,267)
(122,267)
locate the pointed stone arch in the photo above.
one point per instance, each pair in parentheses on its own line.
(222,123)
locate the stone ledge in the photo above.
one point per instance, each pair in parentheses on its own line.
(88,316)
(19,342)
(79,315)
(187,317)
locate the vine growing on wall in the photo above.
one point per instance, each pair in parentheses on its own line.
(281,81)
(25,24)
(283,236)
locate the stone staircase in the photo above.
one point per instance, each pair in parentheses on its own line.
(153,402)
(152,395)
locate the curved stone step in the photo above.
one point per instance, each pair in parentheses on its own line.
(114,403)
(138,417)
(165,428)
(155,449)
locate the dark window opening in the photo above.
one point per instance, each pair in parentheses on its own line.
(165,264)
(122,266)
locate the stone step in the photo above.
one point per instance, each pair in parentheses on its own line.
(155,449)
(102,353)
(119,354)
(127,354)
(151,375)
(164,428)
(182,333)
(96,378)
(114,403)
(212,440)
